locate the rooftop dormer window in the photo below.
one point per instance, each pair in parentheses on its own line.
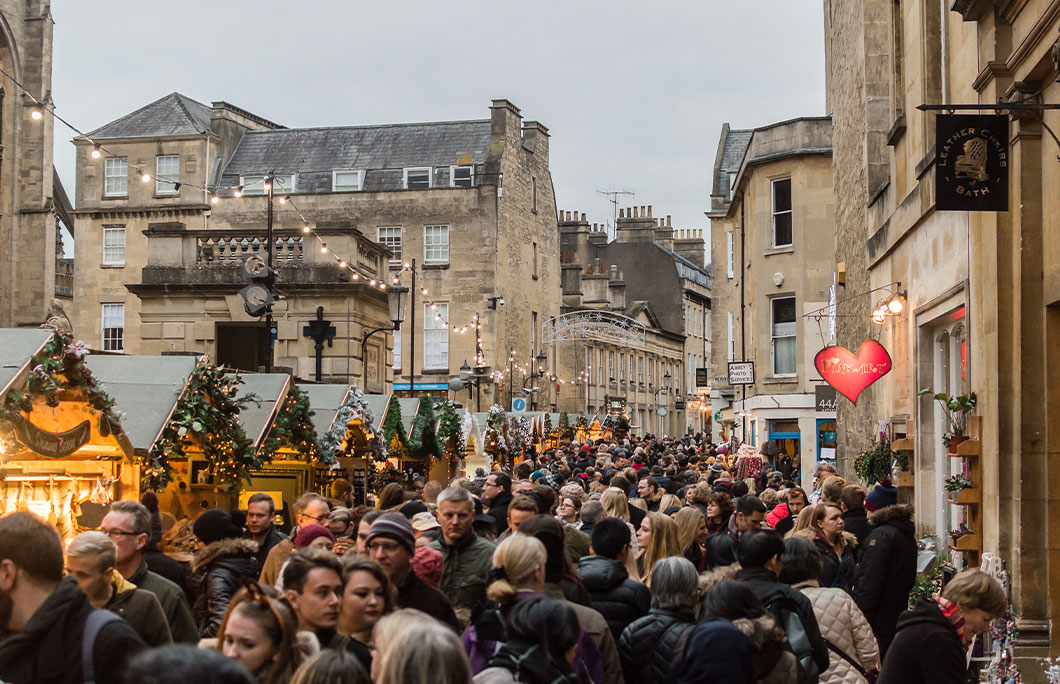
(347,180)
(418,178)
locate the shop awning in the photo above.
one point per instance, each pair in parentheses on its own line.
(145,388)
(325,401)
(257,416)
(17,348)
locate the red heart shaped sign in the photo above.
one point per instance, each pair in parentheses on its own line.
(851,374)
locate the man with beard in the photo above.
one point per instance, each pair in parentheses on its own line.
(45,616)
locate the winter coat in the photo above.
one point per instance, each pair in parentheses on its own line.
(413,592)
(465,570)
(47,650)
(274,560)
(925,650)
(141,610)
(887,571)
(594,624)
(779,512)
(837,569)
(577,543)
(174,603)
(218,572)
(499,510)
(772,661)
(618,598)
(856,522)
(528,663)
(716,653)
(652,647)
(843,625)
(272,537)
(775,595)
(161,564)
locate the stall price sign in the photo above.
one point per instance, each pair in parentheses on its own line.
(741,372)
(851,374)
(971,165)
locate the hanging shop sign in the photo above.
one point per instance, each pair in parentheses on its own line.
(702,377)
(971,166)
(825,398)
(850,374)
(51,444)
(741,372)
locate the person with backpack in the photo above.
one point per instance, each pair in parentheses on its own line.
(760,553)
(52,634)
(652,646)
(542,636)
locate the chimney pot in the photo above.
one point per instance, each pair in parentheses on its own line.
(583,218)
(667,219)
(649,210)
(621,213)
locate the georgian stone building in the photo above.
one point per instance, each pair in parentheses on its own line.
(655,275)
(982,295)
(34,279)
(469,202)
(773,241)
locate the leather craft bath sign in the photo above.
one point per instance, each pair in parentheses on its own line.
(52,444)
(851,374)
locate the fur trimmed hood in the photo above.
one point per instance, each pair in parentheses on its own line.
(809,534)
(238,548)
(895,513)
(761,630)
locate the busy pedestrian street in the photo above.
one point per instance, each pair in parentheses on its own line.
(474,343)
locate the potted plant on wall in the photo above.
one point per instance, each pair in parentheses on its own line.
(957,409)
(878,462)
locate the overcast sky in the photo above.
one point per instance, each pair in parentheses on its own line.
(634,94)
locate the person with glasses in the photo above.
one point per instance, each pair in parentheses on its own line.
(261,632)
(310,509)
(312,584)
(392,544)
(128,524)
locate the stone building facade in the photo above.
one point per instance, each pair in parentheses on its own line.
(981,294)
(470,203)
(773,227)
(656,275)
(31,197)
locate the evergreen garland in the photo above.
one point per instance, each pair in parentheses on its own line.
(548,425)
(565,430)
(423,437)
(333,442)
(207,413)
(450,431)
(293,427)
(495,439)
(60,365)
(394,437)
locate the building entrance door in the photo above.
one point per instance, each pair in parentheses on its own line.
(242,346)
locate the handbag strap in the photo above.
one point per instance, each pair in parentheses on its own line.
(843,654)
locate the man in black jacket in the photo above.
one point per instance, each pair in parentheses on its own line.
(44,614)
(933,637)
(855,519)
(760,552)
(498,494)
(260,511)
(613,594)
(887,570)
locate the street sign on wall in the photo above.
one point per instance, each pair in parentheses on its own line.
(741,372)
(702,377)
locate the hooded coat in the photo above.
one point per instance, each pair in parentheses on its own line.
(843,626)
(837,569)
(717,652)
(614,595)
(218,572)
(141,610)
(47,650)
(887,570)
(925,650)
(652,648)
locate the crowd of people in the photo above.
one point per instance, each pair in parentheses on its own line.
(645,560)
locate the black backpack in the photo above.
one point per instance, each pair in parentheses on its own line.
(786,612)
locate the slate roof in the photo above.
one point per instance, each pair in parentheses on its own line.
(382,151)
(736,142)
(174,114)
(17,348)
(258,416)
(324,401)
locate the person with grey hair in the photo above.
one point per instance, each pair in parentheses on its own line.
(466,557)
(592,512)
(652,648)
(853,651)
(90,558)
(128,524)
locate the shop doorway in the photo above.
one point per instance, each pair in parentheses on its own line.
(242,346)
(787,437)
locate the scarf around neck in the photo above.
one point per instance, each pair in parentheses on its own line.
(954,615)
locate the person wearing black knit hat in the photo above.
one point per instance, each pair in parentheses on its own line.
(219,566)
(157,561)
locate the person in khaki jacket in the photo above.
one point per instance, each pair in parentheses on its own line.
(852,648)
(309,509)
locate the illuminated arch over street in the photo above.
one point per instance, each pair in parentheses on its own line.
(599,325)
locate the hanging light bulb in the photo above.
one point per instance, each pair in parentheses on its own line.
(434,307)
(895,305)
(238,192)
(382,286)
(323,249)
(96,152)
(214,199)
(342,264)
(356,276)
(423,292)
(306,229)
(879,317)
(372,282)
(145,177)
(406,266)
(37,113)
(283,199)
(267,186)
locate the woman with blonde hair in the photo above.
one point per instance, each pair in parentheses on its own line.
(656,539)
(414,648)
(668,501)
(802,522)
(260,631)
(691,533)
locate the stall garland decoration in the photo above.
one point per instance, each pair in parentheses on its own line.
(450,432)
(519,433)
(495,440)
(394,436)
(60,366)
(354,408)
(565,429)
(467,431)
(548,426)
(424,441)
(293,426)
(207,413)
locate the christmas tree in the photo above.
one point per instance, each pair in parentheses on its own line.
(293,428)
(423,437)
(565,430)
(393,430)
(449,430)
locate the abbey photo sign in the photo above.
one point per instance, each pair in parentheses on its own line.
(851,373)
(971,162)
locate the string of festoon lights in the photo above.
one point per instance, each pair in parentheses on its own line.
(582,376)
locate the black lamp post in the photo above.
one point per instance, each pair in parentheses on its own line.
(470,377)
(397,296)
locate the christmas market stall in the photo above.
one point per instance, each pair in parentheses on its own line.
(64,452)
(350,440)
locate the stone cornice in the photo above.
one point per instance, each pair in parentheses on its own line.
(175,211)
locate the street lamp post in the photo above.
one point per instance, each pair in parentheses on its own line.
(534,373)
(662,388)
(470,377)
(397,295)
